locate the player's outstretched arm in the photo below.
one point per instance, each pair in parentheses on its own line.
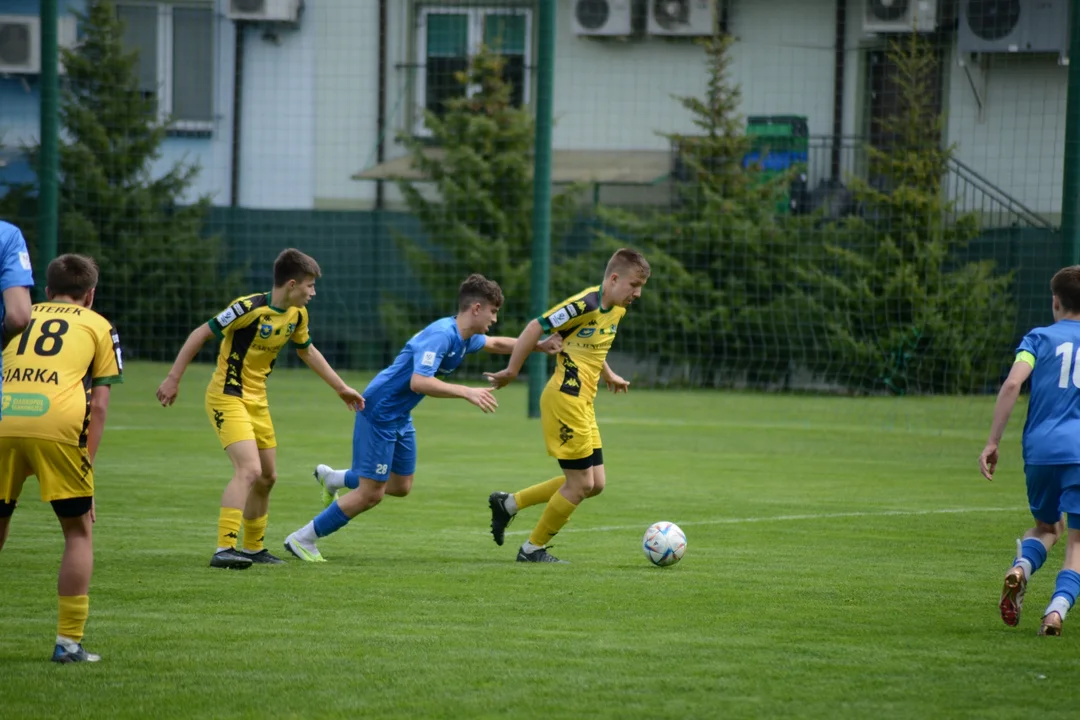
(551,345)
(315,360)
(434,387)
(1003,408)
(524,345)
(170,387)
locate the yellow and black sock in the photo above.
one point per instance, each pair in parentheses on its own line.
(254,534)
(539,493)
(556,514)
(74,610)
(228,527)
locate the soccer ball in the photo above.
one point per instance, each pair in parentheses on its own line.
(664,543)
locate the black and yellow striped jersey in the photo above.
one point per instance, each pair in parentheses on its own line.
(252,333)
(51,368)
(588,332)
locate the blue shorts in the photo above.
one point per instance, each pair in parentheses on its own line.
(379,450)
(1052,490)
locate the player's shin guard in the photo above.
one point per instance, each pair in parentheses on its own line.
(540,493)
(555,516)
(1031,554)
(1065,593)
(330,520)
(254,534)
(74,609)
(228,527)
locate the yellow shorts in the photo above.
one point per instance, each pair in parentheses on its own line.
(569,423)
(63,471)
(235,420)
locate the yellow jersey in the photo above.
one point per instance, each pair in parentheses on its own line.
(587,331)
(50,369)
(252,333)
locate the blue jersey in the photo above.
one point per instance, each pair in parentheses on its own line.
(438,349)
(15,268)
(1052,429)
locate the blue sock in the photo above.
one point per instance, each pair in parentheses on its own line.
(1034,552)
(330,520)
(352,480)
(1068,586)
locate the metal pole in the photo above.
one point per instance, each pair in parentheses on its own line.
(1070,194)
(541,248)
(48,159)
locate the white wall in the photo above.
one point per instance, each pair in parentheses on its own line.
(615,95)
(277,167)
(1018,143)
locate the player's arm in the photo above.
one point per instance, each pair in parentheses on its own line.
(615,382)
(434,387)
(524,345)
(16,279)
(551,345)
(99,409)
(170,387)
(16,312)
(315,360)
(1006,401)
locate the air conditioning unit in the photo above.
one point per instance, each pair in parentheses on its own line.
(899,16)
(603,17)
(1008,26)
(265,10)
(681,17)
(20,42)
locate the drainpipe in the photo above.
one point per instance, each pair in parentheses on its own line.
(380,123)
(237,107)
(838,90)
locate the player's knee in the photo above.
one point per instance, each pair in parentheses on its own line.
(247,475)
(266,479)
(7,509)
(596,489)
(399,486)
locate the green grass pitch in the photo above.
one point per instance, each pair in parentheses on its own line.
(844,560)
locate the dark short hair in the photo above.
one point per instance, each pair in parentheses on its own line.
(625,260)
(292,264)
(1065,285)
(71,275)
(478,288)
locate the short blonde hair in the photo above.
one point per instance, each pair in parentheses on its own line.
(626,259)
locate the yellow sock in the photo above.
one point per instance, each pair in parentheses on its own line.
(540,493)
(254,533)
(228,527)
(73,612)
(555,515)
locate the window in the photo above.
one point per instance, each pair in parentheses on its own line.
(447,37)
(175,43)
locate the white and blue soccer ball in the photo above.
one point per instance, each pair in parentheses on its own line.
(664,543)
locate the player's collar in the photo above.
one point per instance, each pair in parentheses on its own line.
(270,295)
(600,301)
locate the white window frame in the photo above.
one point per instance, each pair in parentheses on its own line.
(476,16)
(165,63)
